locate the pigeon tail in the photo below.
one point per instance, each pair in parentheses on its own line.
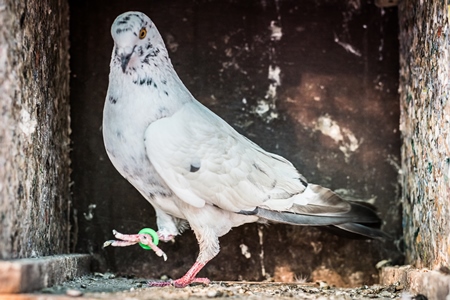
(328,210)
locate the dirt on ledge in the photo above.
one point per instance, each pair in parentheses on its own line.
(110,286)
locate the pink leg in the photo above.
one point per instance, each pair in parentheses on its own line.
(187,279)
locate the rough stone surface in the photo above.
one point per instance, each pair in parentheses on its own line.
(109,286)
(315,82)
(425,127)
(435,285)
(31,274)
(34,128)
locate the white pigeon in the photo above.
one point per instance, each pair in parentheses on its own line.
(192,166)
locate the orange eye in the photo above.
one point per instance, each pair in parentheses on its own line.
(142,33)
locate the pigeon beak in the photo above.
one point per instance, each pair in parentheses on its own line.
(125,57)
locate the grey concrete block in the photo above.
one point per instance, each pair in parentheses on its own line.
(31,274)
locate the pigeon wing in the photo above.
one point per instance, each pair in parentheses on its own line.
(204,160)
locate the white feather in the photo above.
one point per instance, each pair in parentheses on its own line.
(234,174)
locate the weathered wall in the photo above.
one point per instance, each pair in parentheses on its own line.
(34,128)
(425,127)
(314,81)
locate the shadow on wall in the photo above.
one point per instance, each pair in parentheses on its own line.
(316,83)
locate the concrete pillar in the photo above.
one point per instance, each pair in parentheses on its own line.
(425,127)
(34,128)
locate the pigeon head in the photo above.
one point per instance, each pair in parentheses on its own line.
(136,41)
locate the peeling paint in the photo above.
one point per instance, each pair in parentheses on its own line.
(90,214)
(266,108)
(261,254)
(262,108)
(349,48)
(277,33)
(274,76)
(244,251)
(348,143)
(343,38)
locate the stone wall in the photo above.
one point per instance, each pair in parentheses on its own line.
(34,128)
(425,127)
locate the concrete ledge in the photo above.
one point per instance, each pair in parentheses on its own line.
(31,274)
(433,284)
(39,297)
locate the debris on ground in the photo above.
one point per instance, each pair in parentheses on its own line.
(110,286)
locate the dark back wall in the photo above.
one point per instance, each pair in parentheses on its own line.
(334,114)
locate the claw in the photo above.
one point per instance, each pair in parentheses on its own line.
(161,253)
(108,243)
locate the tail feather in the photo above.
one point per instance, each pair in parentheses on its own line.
(298,219)
(362,231)
(329,210)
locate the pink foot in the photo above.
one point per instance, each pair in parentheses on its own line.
(179,283)
(124,240)
(184,281)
